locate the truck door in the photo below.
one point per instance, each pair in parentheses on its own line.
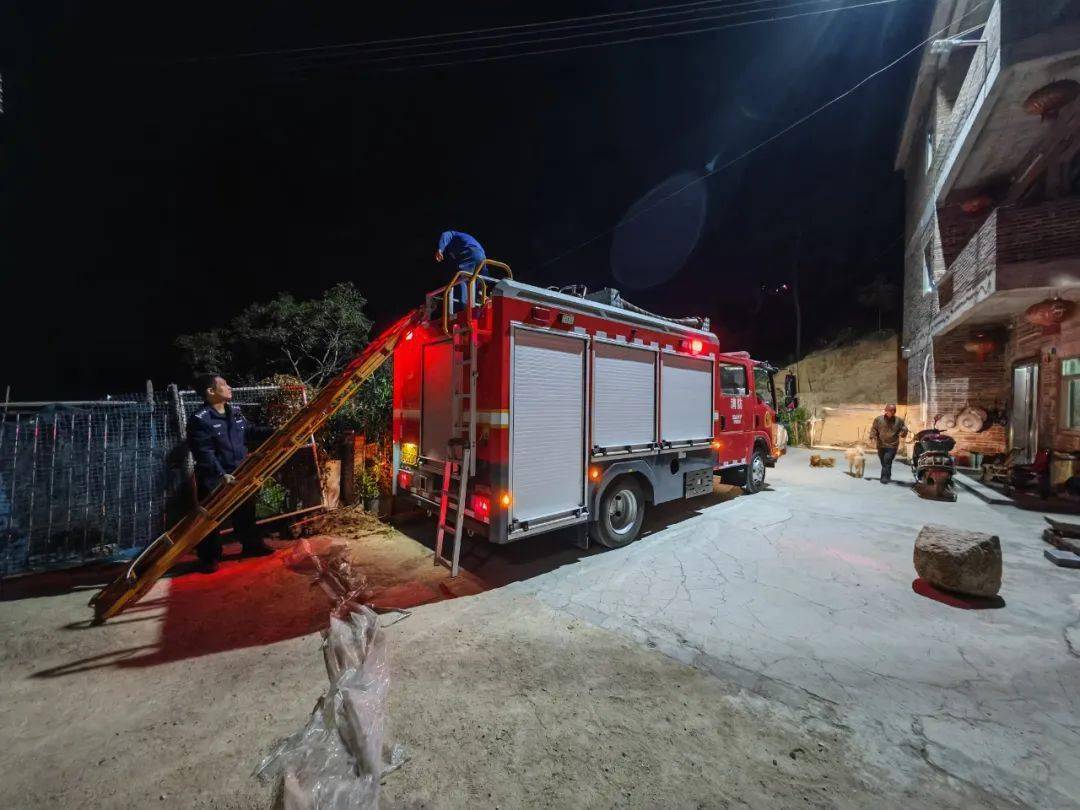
(764,401)
(735,411)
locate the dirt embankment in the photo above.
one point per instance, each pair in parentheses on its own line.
(844,387)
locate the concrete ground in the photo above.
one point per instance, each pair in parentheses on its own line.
(763,651)
(804,594)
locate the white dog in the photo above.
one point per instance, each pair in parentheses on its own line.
(856,459)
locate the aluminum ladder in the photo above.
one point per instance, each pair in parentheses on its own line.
(460,463)
(159,556)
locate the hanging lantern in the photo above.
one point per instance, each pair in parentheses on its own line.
(976,204)
(1046,102)
(981,345)
(1049,314)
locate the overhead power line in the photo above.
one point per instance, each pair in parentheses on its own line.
(526,52)
(592,19)
(781,133)
(529,43)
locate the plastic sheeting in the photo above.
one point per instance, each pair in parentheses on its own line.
(337,760)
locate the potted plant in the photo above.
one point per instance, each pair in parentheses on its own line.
(367,489)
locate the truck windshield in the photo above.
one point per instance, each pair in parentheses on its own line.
(763,386)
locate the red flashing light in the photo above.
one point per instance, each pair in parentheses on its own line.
(481,506)
(404,479)
(696,346)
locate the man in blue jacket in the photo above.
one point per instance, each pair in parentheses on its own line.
(215,434)
(460,249)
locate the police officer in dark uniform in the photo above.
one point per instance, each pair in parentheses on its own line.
(215,434)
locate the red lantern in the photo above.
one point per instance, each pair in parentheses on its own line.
(1049,314)
(1046,102)
(977,204)
(981,345)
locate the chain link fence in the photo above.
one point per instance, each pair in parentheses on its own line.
(99,480)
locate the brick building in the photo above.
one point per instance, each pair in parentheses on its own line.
(991,156)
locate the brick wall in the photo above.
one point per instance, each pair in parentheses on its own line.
(1039,233)
(1028,343)
(960,379)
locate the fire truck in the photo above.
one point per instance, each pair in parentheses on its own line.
(520,410)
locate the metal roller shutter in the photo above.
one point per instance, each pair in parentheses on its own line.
(435,415)
(624,395)
(685,398)
(547,416)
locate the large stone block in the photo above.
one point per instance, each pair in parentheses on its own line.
(960,561)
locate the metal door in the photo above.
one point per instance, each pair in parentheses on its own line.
(686,398)
(547,424)
(624,396)
(435,406)
(1024,419)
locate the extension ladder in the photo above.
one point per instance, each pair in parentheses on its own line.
(460,463)
(160,555)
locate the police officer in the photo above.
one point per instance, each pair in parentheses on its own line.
(215,434)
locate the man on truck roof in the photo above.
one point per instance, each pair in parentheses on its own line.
(460,249)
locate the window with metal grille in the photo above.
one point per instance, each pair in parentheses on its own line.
(1070,393)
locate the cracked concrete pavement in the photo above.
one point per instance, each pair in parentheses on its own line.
(803,594)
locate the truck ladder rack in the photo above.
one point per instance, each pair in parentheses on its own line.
(159,556)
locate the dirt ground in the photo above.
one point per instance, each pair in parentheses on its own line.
(501,701)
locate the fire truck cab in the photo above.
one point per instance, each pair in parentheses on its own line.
(525,410)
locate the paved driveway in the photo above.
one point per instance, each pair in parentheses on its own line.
(803,593)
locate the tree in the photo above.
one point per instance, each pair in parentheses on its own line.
(879,294)
(311,340)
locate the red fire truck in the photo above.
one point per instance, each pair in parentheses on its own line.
(520,410)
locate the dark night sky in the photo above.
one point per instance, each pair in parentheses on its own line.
(143,196)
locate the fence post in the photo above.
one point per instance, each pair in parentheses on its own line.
(348,467)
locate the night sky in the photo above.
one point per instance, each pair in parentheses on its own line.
(148,190)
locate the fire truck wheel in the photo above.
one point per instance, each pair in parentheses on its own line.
(755,472)
(622,510)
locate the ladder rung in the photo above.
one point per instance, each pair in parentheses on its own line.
(447,527)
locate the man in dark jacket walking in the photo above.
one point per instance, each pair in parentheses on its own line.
(886,433)
(215,434)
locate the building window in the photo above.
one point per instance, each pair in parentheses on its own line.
(928,267)
(1070,392)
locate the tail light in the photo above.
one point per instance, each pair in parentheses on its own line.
(404,479)
(481,507)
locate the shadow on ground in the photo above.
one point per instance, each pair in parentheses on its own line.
(498,565)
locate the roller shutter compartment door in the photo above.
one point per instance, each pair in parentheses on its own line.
(547,415)
(686,402)
(624,396)
(436,410)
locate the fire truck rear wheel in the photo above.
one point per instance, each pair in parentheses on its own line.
(755,472)
(622,510)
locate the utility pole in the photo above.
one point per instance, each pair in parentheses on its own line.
(795,298)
